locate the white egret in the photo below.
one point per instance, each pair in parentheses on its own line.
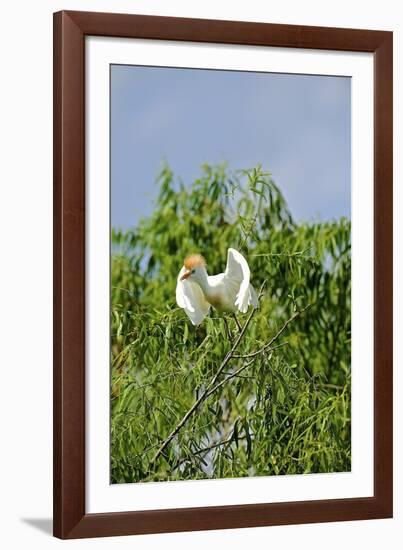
(196,291)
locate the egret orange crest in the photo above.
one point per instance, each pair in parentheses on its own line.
(194,260)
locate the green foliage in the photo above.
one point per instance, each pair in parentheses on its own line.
(288,412)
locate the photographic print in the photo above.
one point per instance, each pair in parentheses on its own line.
(230,284)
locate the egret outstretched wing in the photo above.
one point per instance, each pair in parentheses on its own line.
(237,275)
(189,296)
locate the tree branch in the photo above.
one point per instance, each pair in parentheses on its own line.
(267,346)
(232,375)
(261,350)
(203,396)
(213,385)
(286,254)
(207,449)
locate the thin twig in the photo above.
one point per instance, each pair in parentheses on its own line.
(286,254)
(237,372)
(247,233)
(261,350)
(207,449)
(267,347)
(269,344)
(232,375)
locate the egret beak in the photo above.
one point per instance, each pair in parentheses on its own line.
(185,275)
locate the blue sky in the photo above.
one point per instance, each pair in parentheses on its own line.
(296,126)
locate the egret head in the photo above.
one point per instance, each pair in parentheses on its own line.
(195,266)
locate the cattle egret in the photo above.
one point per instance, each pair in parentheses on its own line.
(196,291)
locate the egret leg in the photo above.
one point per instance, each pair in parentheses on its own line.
(237,322)
(229,334)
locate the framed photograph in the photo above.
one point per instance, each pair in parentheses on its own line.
(222,274)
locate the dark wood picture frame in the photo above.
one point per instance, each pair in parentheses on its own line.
(70,517)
